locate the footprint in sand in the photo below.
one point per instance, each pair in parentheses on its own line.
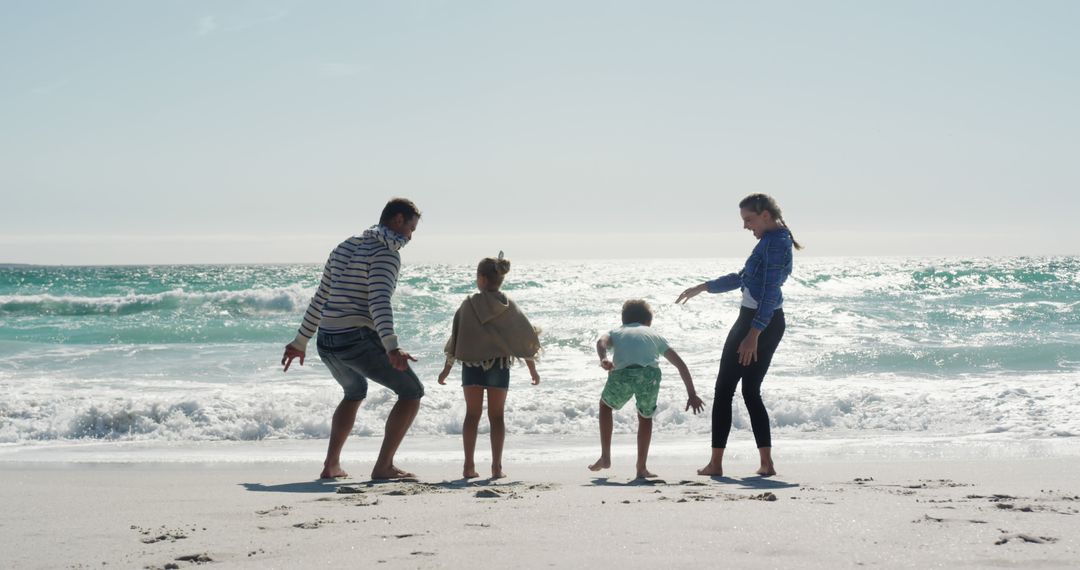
(162,534)
(196,558)
(310,525)
(277,511)
(1025,538)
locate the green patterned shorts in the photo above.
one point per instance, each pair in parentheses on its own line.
(641,382)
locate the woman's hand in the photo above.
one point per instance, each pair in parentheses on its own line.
(748,348)
(691,293)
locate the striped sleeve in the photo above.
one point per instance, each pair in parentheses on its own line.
(314,311)
(384,274)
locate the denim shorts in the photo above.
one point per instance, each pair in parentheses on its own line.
(355,357)
(494,377)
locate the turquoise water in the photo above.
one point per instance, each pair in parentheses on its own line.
(926,345)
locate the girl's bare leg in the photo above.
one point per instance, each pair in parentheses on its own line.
(474,408)
(496,402)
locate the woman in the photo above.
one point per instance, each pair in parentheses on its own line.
(756,334)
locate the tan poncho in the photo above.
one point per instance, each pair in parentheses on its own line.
(489,328)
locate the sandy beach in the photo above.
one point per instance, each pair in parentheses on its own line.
(913,513)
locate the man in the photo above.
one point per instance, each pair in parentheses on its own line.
(355,322)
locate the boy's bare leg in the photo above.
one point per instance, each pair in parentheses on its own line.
(496,403)
(340,428)
(715,467)
(474,408)
(644,438)
(606,427)
(767,468)
(397,425)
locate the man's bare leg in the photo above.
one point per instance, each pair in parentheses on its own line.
(340,428)
(474,408)
(715,468)
(496,403)
(397,425)
(767,468)
(606,426)
(644,438)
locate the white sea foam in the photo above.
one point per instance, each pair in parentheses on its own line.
(874,349)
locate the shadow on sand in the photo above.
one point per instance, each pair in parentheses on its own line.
(755,482)
(333,485)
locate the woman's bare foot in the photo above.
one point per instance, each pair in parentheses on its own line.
(712,470)
(766,470)
(333,472)
(497,472)
(469,471)
(645,474)
(602,463)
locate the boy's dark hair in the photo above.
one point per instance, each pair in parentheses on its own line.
(399,206)
(636,311)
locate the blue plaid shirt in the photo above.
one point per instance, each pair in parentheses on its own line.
(766,270)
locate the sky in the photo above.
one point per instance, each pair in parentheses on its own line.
(254,132)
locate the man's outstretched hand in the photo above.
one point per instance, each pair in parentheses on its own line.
(292,352)
(400,359)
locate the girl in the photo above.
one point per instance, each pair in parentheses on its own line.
(756,334)
(489,333)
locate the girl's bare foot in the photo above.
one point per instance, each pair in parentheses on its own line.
(766,470)
(645,474)
(469,471)
(711,470)
(497,472)
(602,463)
(333,472)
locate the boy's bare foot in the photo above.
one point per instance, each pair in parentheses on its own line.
(645,474)
(334,472)
(392,473)
(469,472)
(766,471)
(601,463)
(711,470)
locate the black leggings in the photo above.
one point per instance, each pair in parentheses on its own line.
(752,376)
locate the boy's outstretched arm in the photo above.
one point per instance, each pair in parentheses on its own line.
(692,400)
(601,350)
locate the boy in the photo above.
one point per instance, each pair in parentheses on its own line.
(636,372)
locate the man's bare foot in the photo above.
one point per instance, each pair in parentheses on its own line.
(469,472)
(334,472)
(711,470)
(766,471)
(391,473)
(645,474)
(601,463)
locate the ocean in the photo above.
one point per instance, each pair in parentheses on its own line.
(980,351)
